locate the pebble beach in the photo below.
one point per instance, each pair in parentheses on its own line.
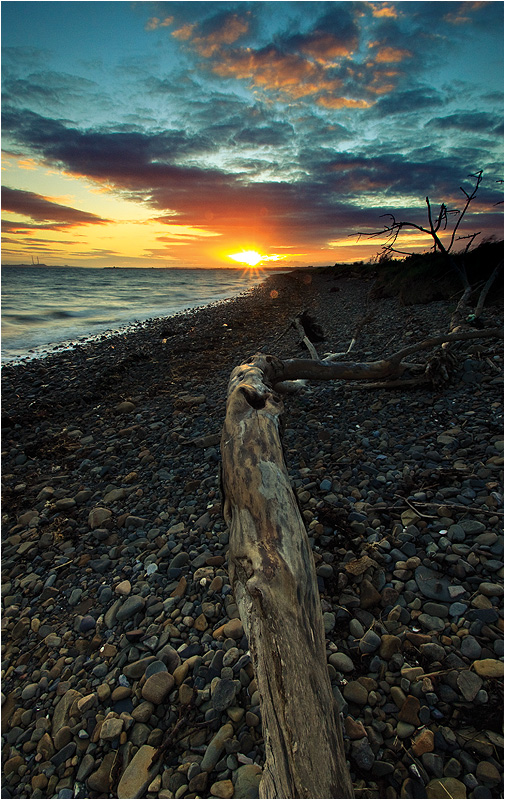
(126,671)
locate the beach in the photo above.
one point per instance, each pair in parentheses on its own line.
(120,632)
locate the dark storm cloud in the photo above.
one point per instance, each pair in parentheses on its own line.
(315,205)
(278,133)
(475,121)
(408,101)
(99,153)
(334,34)
(41,88)
(39,208)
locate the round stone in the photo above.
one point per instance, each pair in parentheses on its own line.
(157,688)
(355,692)
(370,642)
(341,662)
(233,629)
(446,787)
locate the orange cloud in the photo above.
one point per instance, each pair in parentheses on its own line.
(289,73)
(324,46)
(383,10)
(342,102)
(460,17)
(208,45)
(184,32)
(392,55)
(154,22)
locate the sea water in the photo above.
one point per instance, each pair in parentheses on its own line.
(47,308)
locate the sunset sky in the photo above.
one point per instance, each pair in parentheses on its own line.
(181,133)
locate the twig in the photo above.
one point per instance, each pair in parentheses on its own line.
(305,339)
(419,513)
(184,712)
(455,506)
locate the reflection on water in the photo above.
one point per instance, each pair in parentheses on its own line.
(46,306)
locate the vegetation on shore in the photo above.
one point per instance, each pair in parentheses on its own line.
(425,277)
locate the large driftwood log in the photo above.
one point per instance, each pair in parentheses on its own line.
(275,587)
(273,576)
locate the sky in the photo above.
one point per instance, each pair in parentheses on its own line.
(183,133)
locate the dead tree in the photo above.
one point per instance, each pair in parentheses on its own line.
(435,228)
(273,576)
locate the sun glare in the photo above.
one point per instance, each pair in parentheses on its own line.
(249,257)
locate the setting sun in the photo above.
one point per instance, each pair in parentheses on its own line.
(250,257)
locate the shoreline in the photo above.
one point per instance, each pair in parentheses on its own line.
(116,596)
(129,324)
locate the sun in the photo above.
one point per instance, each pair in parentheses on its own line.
(249,257)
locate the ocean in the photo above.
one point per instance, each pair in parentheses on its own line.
(51,308)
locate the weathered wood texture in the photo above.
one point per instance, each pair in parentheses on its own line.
(275,587)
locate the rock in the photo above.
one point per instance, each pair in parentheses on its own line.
(100,780)
(470,648)
(136,669)
(46,747)
(138,774)
(362,754)
(369,596)
(491,589)
(329,621)
(216,747)
(404,729)
(432,584)
(222,789)
(85,703)
(130,607)
(223,695)
(247,781)
(157,687)
(124,588)
(354,728)
(487,773)
(370,642)
(389,646)
(423,743)
(111,728)
(489,668)
(125,407)
(446,787)
(410,710)
(355,692)
(341,662)
(233,629)
(98,517)
(469,685)
(430,623)
(62,710)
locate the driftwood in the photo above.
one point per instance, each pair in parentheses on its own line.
(274,582)
(272,569)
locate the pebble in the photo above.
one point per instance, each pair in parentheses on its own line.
(138,774)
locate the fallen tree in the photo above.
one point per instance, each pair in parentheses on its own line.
(272,568)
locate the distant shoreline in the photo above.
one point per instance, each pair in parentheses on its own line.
(72,266)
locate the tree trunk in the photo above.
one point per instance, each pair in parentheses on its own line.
(275,587)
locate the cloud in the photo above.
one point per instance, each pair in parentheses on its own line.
(474,121)
(327,192)
(41,209)
(154,23)
(334,35)
(463,13)
(391,55)
(275,134)
(384,10)
(208,37)
(409,101)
